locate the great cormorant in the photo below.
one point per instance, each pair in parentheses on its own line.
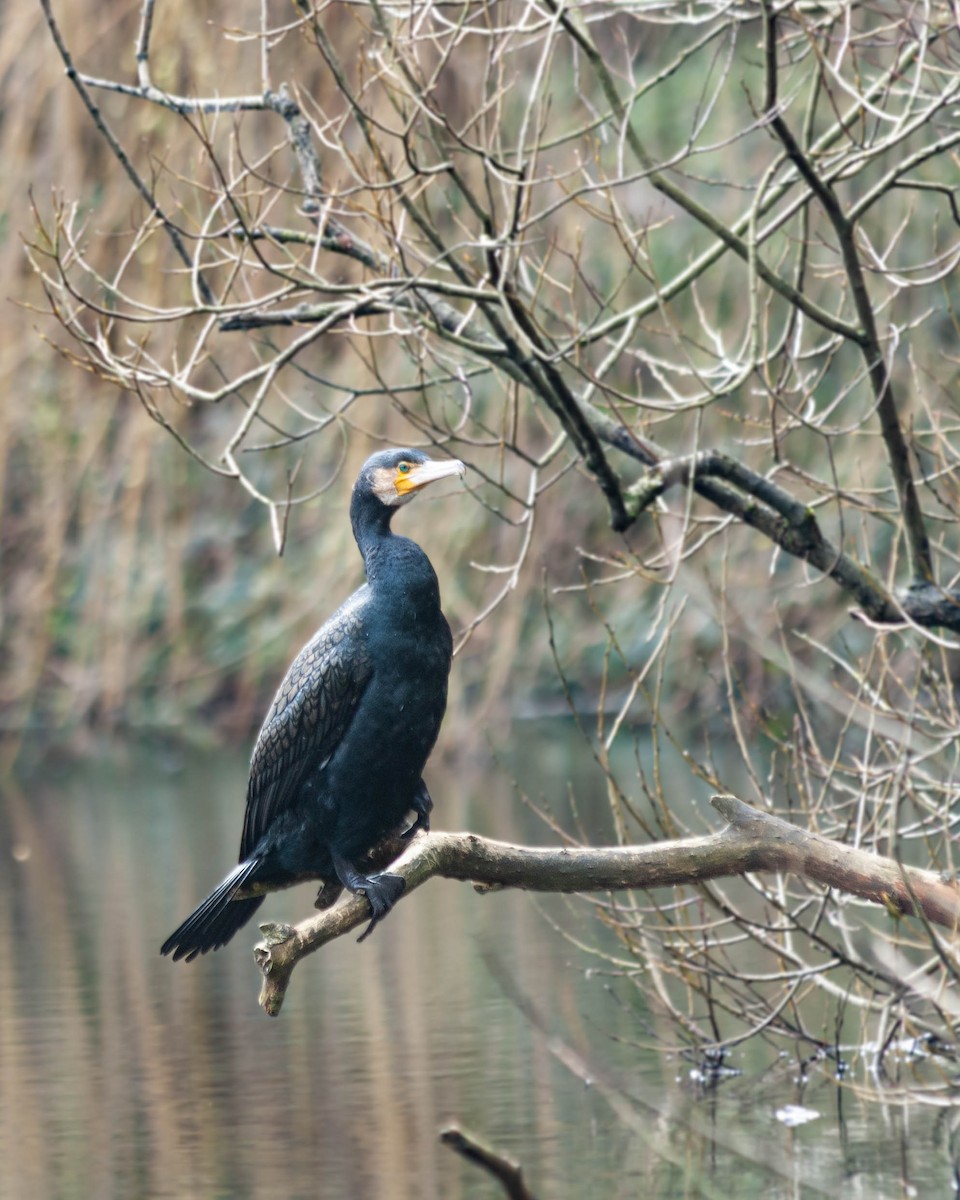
(338,763)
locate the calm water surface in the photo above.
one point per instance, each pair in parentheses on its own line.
(125,1075)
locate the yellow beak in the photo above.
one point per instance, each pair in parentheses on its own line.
(429,472)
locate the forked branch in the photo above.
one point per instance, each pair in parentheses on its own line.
(752,841)
(477,233)
(759,502)
(898,451)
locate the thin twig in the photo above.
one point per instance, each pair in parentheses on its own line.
(118,151)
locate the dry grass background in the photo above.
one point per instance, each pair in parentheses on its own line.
(139,589)
(136,588)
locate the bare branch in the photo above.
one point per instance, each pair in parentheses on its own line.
(794,528)
(868,338)
(121,155)
(504,1170)
(752,841)
(685,201)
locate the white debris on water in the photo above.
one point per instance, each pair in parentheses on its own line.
(796,1114)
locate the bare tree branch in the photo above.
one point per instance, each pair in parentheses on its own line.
(118,151)
(752,841)
(868,338)
(794,527)
(504,1170)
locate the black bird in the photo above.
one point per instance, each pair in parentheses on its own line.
(337,765)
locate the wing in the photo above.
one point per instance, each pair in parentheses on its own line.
(309,717)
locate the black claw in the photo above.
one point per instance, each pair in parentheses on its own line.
(422,805)
(422,822)
(383,891)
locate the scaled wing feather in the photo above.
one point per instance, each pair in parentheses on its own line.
(309,717)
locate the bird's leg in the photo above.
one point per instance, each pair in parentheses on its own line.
(422,805)
(328,894)
(381,890)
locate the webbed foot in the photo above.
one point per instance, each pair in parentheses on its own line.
(382,890)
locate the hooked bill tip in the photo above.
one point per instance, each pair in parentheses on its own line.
(432,470)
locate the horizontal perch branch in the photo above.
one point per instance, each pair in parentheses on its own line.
(752,841)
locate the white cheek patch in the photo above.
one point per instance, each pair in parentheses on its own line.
(384,488)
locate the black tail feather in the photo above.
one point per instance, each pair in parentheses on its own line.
(217,919)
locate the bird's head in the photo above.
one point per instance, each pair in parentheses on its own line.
(395,476)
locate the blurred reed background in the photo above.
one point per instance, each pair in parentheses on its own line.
(137,588)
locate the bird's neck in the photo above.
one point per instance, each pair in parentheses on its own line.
(371,525)
(389,559)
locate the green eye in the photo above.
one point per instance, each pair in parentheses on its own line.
(403,468)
